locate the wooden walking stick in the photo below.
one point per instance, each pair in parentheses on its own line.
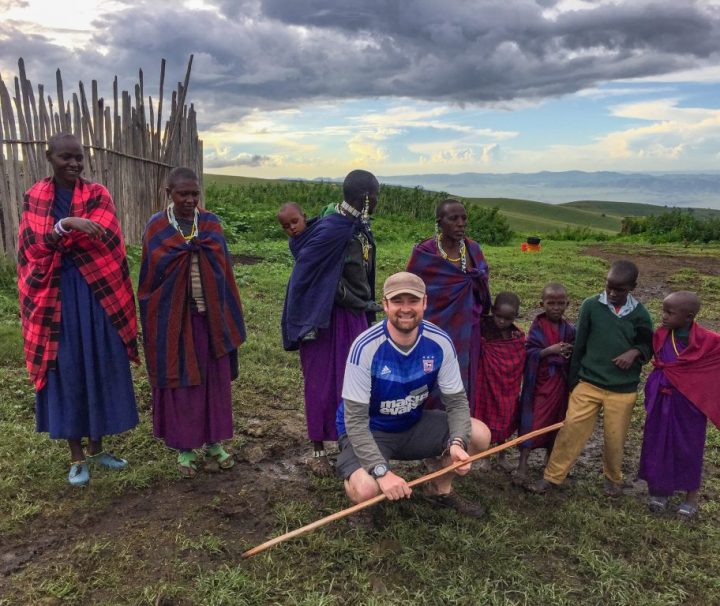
(381,497)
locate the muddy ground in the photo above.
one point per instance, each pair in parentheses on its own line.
(238,505)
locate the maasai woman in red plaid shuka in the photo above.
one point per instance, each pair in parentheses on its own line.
(77,309)
(501,369)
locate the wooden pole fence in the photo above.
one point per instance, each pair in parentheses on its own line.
(129,149)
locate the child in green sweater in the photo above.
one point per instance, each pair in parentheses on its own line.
(613,341)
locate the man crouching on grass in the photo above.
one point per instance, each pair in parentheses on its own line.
(392,368)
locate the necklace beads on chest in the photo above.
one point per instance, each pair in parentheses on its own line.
(462,258)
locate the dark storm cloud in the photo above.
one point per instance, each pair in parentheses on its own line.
(274,54)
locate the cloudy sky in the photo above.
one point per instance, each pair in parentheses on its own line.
(309,88)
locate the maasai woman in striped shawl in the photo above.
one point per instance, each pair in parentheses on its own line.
(454,269)
(71,250)
(192,325)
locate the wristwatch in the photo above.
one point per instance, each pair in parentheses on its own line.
(379,471)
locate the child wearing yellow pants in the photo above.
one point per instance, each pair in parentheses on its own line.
(613,341)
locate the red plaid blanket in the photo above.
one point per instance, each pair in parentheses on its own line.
(102,262)
(500,377)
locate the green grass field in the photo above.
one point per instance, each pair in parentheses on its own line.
(144,536)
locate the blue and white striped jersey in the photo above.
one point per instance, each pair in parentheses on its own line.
(396,383)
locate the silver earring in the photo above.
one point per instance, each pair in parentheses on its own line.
(366,210)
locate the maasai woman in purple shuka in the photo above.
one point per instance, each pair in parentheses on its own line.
(456,276)
(680,395)
(329,301)
(192,325)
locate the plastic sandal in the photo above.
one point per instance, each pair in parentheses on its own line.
(187,463)
(657,504)
(319,465)
(79,474)
(107,460)
(224,459)
(687,511)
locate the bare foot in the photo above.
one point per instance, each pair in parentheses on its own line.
(540,487)
(519,478)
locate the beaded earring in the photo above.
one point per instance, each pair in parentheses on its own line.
(366,209)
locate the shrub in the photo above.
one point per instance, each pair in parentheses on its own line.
(676,225)
(488,226)
(577,234)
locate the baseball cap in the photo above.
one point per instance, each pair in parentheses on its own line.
(403,283)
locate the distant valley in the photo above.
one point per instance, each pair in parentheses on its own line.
(700,190)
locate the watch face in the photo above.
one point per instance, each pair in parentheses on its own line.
(379,471)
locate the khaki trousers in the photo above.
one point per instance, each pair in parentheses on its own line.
(585,403)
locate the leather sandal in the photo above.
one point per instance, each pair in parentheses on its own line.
(224,459)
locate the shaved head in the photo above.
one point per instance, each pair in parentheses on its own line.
(554,288)
(56,140)
(181,173)
(290,206)
(685,300)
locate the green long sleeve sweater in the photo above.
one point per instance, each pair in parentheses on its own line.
(600,337)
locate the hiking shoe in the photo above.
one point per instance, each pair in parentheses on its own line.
(455,501)
(79,474)
(657,504)
(107,460)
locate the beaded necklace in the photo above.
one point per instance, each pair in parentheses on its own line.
(462,258)
(346,210)
(173,221)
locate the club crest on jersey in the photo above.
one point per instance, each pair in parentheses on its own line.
(428,364)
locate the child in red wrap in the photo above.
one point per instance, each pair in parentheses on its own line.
(501,368)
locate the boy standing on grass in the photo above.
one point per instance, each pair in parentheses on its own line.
(680,395)
(544,397)
(613,341)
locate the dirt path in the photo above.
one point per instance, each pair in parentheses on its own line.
(239,506)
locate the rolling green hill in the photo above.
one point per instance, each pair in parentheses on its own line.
(527,216)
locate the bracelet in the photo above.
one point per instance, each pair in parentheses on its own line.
(457,441)
(60,230)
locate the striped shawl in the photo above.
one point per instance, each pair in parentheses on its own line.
(455,300)
(535,413)
(164,297)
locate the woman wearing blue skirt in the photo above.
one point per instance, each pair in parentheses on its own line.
(78,311)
